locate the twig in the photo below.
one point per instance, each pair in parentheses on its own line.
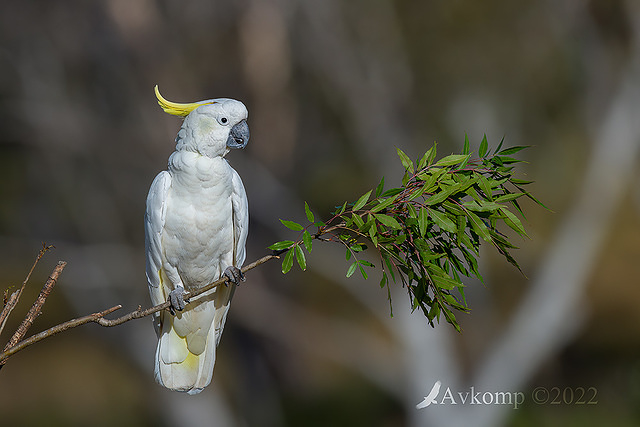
(99,317)
(36,307)
(12,301)
(53,331)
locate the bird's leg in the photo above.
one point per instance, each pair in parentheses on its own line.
(234,274)
(176,298)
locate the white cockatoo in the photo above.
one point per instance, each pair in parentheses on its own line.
(196,225)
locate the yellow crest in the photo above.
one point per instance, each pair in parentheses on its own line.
(175,108)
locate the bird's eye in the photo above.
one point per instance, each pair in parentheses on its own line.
(223,120)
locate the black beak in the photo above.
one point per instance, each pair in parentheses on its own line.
(239,135)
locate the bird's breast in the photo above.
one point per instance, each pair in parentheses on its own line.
(198,232)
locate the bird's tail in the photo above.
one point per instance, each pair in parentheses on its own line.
(186,351)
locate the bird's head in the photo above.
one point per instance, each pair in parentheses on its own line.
(210,127)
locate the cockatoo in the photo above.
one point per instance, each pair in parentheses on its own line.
(196,225)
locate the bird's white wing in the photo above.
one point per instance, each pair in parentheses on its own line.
(240,219)
(240,222)
(153,225)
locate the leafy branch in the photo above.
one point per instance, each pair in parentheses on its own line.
(426,233)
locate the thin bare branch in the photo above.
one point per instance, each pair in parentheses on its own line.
(53,331)
(36,307)
(99,317)
(12,301)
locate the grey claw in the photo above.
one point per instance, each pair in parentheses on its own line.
(176,298)
(235,275)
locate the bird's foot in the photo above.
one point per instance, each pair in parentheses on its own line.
(235,275)
(177,300)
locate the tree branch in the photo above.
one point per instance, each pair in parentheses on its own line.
(13,347)
(11,301)
(36,308)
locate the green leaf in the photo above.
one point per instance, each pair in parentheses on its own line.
(388,221)
(302,261)
(529,195)
(513,221)
(453,208)
(466,181)
(391,192)
(308,212)
(342,209)
(306,239)
(358,247)
(423,163)
(443,221)
(499,146)
(473,263)
(520,181)
(501,241)
(400,239)
(406,178)
(482,206)
(384,203)
(278,246)
(465,148)
(406,161)
(513,150)
(507,197)
(349,220)
(287,262)
(352,269)
(516,205)
(463,165)
(429,179)
(484,145)
(426,254)
(506,160)
(444,282)
(462,225)
(412,211)
(423,221)
(453,159)
(453,302)
(479,226)
(390,268)
(471,191)
(373,234)
(383,280)
(292,225)
(380,187)
(434,312)
(357,220)
(486,187)
(371,222)
(362,201)
(431,154)
(416,193)
(363,272)
(435,269)
(442,195)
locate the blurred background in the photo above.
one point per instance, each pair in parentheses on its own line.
(332,87)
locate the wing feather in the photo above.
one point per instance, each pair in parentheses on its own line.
(153,226)
(240,219)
